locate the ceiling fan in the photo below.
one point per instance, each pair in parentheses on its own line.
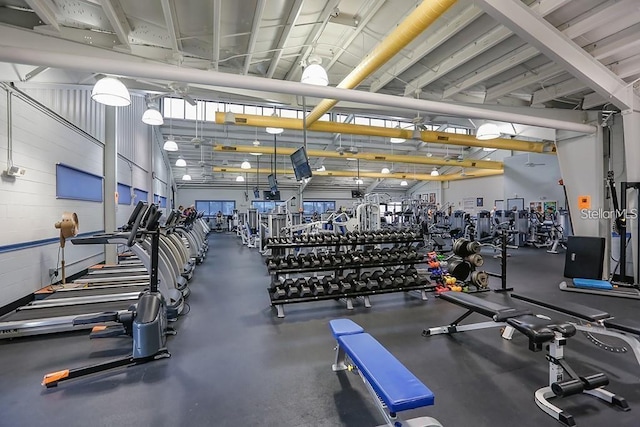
(531,164)
(180,90)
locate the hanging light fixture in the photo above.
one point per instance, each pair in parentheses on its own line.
(256,154)
(385,170)
(403,183)
(435,172)
(274,130)
(152,115)
(256,143)
(170,144)
(239,178)
(186,177)
(111,91)
(397,140)
(181,163)
(245,165)
(314,73)
(229,118)
(487,131)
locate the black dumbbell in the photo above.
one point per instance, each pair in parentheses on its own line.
(292,261)
(316,286)
(372,284)
(312,259)
(290,288)
(325,260)
(330,285)
(347,258)
(303,287)
(346,283)
(277,293)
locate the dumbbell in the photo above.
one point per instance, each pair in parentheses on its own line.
(303,261)
(292,261)
(347,283)
(316,286)
(325,260)
(375,257)
(273,262)
(397,277)
(305,290)
(277,293)
(371,284)
(330,285)
(347,258)
(312,259)
(384,278)
(333,238)
(291,288)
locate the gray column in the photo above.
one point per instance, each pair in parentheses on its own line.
(631,123)
(110,180)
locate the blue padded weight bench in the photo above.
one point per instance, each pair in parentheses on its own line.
(542,332)
(391,385)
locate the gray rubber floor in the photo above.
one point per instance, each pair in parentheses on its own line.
(235,364)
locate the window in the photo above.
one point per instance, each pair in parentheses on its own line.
(212,207)
(319,206)
(263,206)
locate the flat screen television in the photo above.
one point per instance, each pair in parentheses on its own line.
(357,194)
(270,195)
(273,184)
(300,164)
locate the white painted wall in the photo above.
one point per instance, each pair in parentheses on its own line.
(28,205)
(533,183)
(490,188)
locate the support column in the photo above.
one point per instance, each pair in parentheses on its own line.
(631,124)
(582,167)
(110,180)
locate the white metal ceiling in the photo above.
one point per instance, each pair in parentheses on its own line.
(468,55)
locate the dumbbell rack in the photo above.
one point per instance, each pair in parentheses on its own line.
(359,259)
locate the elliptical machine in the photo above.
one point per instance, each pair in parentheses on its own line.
(146,322)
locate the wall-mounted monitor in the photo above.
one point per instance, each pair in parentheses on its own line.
(357,194)
(300,164)
(256,192)
(270,195)
(273,184)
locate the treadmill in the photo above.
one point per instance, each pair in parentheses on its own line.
(48,318)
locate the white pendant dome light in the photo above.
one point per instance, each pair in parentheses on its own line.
(111,91)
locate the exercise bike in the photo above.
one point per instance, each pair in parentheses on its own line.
(146,322)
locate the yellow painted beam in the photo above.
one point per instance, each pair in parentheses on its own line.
(425,136)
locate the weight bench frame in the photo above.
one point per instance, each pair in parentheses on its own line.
(592,325)
(558,367)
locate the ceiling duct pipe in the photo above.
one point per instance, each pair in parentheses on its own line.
(419,20)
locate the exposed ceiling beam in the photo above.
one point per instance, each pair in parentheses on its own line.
(373,185)
(169,12)
(536,31)
(457,23)
(372,157)
(253,37)
(284,36)
(216,18)
(358,30)
(482,44)
(318,28)
(25,47)
(354,174)
(625,44)
(525,79)
(546,94)
(31,74)
(46,10)
(351,129)
(118,20)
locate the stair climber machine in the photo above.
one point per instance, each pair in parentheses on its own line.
(146,322)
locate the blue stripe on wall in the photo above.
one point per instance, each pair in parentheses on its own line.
(35,243)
